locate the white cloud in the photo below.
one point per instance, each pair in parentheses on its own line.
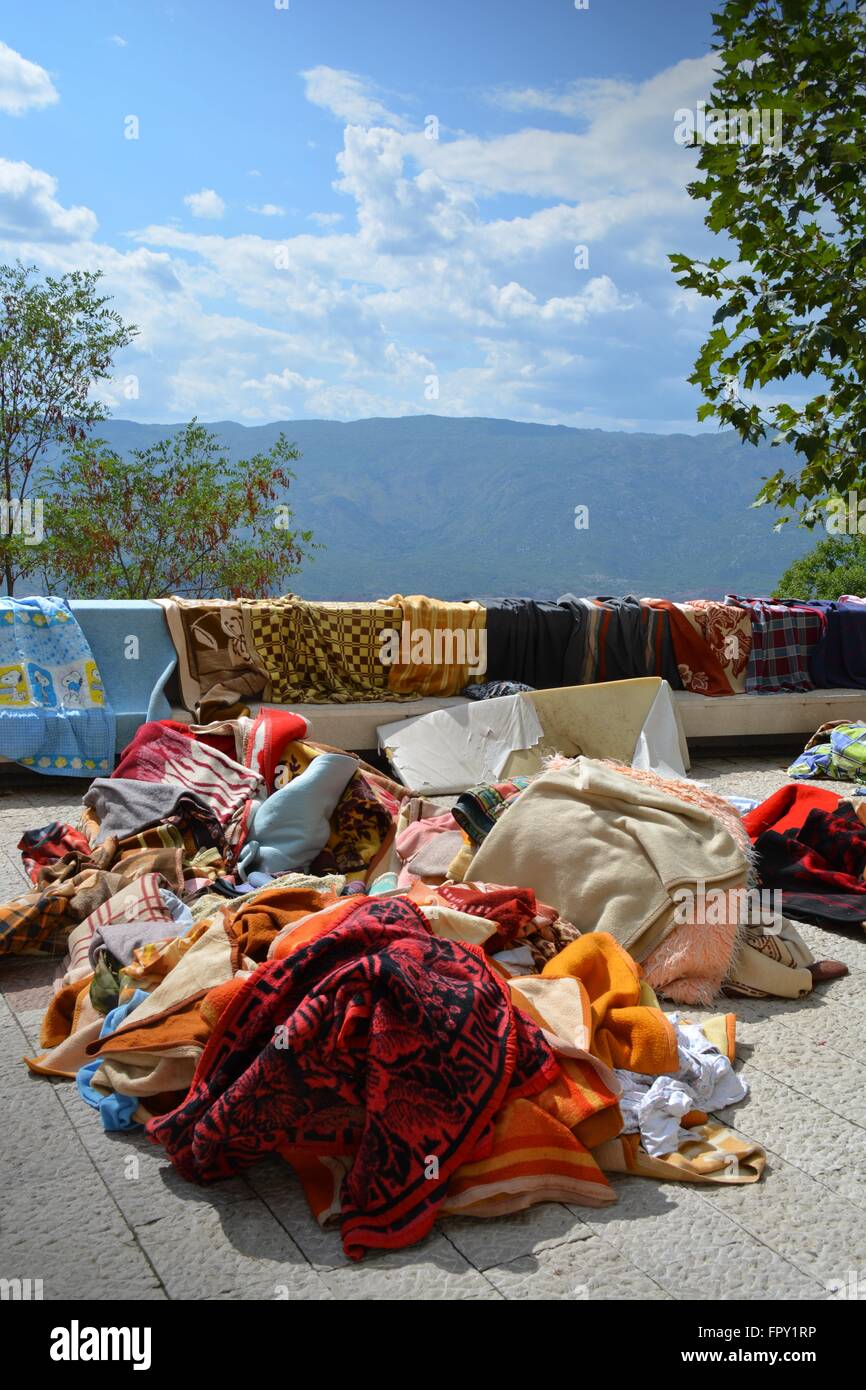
(580,98)
(423,280)
(206,203)
(279,394)
(268,210)
(627,144)
(346,95)
(23,85)
(30,211)
(651,251)
(686,301)
(396,211)
(118,40)
(600,297)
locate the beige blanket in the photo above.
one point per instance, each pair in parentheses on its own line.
(609,852)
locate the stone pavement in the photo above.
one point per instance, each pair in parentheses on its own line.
(100,1216)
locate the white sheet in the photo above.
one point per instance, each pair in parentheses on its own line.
(658,744)
(452,749)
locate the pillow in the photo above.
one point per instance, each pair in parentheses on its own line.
(292,826)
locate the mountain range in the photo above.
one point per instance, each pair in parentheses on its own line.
(479,507)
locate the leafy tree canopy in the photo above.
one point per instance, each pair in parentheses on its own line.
(792,303)
(176,518)
(836,566)
(58,338)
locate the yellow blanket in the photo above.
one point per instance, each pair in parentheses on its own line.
(623,1031)
(441,647)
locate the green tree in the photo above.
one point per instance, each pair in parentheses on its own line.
(57,342)
(836,566)
(792,302)
(176,518)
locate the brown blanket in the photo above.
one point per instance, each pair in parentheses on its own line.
(218,668)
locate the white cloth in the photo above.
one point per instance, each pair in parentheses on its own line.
(516,960)
(452,749)
(658,747)
(653,1106)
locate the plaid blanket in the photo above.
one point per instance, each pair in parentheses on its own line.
(477,810)
(54,716)
(323,652)
(71,889)
(818,866)
(836,751)
(784,635)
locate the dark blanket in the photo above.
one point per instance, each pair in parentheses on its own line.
(839,657)
(616,639)
(635,641)
(622,639)
(526,641)
(819,866)
(377,1040)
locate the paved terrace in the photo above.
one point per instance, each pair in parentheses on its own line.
(89,1221)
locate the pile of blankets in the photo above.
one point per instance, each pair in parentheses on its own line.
(292,650)
(56,716)
(272,948)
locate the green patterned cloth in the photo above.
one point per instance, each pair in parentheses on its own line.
(841,757)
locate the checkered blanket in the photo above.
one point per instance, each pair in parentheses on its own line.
(783,638)
(316,652)
(836,752)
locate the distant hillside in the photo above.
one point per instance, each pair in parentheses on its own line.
(463,507)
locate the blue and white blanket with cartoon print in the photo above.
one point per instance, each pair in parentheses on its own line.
(54,716)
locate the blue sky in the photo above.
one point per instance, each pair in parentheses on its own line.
(293,245)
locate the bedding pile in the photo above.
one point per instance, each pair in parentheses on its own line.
(404,647)
(273,948)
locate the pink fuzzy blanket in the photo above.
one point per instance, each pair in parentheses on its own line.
(692,963)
